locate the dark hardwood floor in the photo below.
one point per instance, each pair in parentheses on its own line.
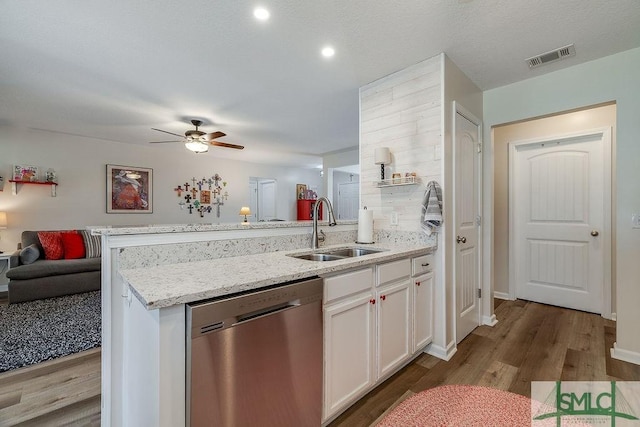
(531,342)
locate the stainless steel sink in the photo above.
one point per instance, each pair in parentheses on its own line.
(318,257)
(352,252)
(336,254)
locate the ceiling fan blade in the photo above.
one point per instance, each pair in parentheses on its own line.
(226,145)
(170,133)
(161,142)
(215,135)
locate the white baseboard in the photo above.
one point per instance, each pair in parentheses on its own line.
(442,353)
(625,355)
(501,295)
(489,320)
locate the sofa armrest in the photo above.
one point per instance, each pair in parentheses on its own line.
(14,259)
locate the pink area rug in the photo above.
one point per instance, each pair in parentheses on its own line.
(461,405)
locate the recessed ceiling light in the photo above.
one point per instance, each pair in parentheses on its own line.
(328,52)
(261,13)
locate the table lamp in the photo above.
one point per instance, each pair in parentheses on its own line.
(245,211)
(3,220)
(382,157)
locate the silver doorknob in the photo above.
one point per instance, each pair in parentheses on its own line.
(594,233)
(461,239)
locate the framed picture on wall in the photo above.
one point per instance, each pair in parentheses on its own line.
(129,189)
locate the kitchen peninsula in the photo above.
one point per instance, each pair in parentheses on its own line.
(150,273)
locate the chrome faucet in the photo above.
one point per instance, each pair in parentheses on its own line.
(315,239)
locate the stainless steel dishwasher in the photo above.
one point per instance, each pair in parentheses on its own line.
(256,359)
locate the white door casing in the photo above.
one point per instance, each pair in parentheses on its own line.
(253,199)
(560,204)
(466,216)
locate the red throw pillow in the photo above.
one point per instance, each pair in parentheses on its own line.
(52,244)
(73,245)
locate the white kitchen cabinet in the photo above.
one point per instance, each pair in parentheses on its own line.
(349,330)
(422,311)
(394,341)
(369,327)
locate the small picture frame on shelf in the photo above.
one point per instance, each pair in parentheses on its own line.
(396,178)
(25,173)
(301,190)
(410,177)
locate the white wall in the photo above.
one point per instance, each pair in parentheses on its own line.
(81,165)
(402,111)
(613,78)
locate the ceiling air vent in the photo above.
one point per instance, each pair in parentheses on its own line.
(554,55)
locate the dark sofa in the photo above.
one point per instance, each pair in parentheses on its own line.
(50,278)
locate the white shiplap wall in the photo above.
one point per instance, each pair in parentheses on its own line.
(402,111)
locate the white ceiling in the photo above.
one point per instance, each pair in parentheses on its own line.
(113,69)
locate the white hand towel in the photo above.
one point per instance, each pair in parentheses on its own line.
(431,218)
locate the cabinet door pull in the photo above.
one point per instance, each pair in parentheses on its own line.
(426,264)
(417,283)
(372,301)
(383,297)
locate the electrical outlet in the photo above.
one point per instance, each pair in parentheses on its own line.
(635,220)
(393,219)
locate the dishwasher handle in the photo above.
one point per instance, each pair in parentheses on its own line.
(268,311)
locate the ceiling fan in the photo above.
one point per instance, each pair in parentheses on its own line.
(198,141)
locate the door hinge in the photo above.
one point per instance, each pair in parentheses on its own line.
(478,220)
(479,293)
(479,147)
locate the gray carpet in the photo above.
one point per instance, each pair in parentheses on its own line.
(35,331)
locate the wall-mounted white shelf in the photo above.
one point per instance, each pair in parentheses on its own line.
(14,186)
(395,182)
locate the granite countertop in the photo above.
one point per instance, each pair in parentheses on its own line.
(173,284)
(187,228)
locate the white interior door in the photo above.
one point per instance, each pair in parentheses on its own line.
(466,219)
(348,200)
(558,213)
(266,200)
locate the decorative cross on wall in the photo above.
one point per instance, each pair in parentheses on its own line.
(207,199)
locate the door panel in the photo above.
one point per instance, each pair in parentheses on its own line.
(348,200)
(466,227)
(558,203)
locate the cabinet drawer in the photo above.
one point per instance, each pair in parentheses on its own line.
(422,264)
(347,284)
(393,271)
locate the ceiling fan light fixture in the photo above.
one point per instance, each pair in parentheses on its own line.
(328,51)
(261,14)
(196,146)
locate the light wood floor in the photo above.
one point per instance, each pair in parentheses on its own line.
(59,392)
(530,342)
